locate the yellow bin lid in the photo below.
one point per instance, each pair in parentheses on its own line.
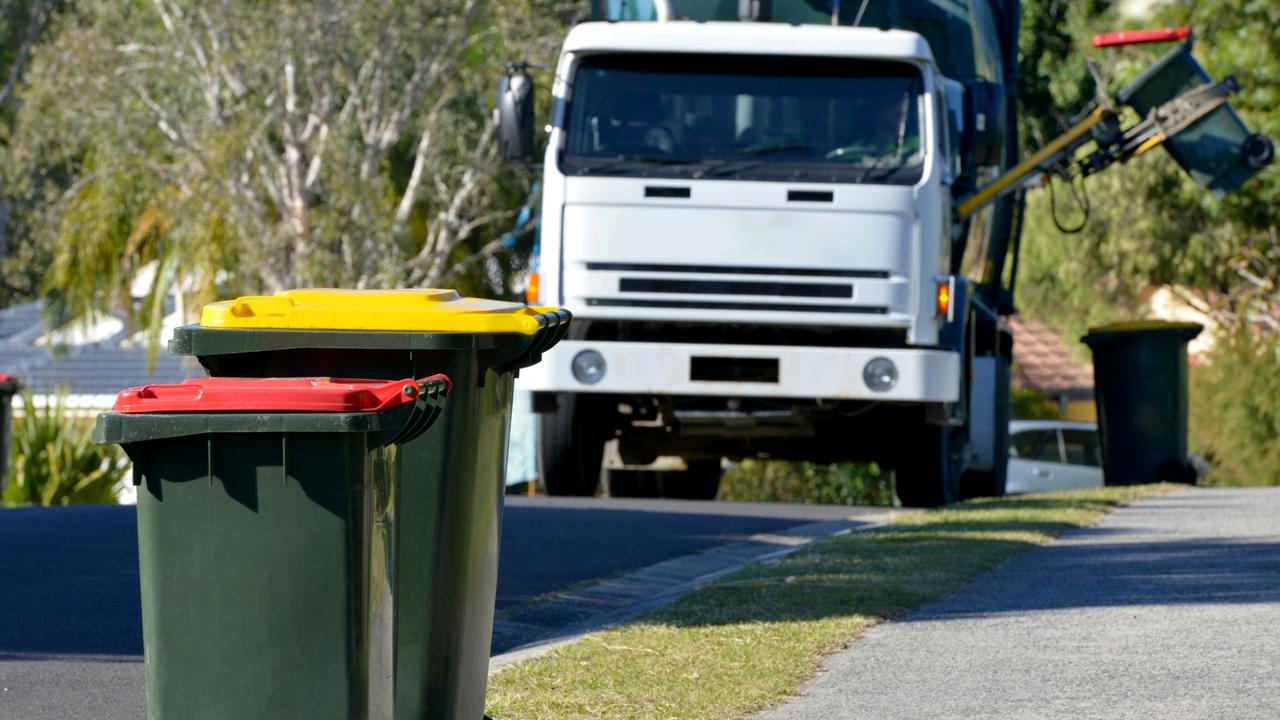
(1145,326)
(422,310)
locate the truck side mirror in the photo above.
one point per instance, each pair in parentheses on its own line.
(984,122)
(514,108)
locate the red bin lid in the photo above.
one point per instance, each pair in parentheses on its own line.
(1137,37)
(314,394)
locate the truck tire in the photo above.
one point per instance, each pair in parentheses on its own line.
(571,446)
(927,473)
(701,481)
(992,483)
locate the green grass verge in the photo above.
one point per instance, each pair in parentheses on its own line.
(749,641)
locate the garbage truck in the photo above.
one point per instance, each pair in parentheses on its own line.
(782,227)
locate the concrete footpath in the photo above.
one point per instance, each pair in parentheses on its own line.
(1169,609)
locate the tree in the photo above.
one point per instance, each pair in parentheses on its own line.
(257,146)
(1150,224)
(1053,80)
(22,22)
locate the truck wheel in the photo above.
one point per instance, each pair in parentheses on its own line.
(992,483)
(571,446)
(927,473)
(700,482)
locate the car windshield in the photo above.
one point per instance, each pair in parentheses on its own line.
(745,117)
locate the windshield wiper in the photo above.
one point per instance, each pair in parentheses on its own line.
(871,172)
(769,149)
(620,161)
(720,168)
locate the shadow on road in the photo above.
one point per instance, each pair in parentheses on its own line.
(69,576)
(551,544)
(1199,571)
(69,583)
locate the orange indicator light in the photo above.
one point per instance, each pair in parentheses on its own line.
(532,292)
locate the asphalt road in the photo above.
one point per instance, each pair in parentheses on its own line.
(70,625)
(1169,609)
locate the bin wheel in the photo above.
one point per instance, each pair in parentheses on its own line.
(571,446)
(701,481)
(927,472)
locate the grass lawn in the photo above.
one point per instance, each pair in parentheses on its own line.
(749,641)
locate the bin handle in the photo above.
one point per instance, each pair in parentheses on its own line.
(429,395)
(553,325)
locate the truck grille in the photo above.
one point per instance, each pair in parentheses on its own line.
(701,305)
(830,291)
(732,270)
(734,287)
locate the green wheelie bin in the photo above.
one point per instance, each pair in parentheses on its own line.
(267,511)
(1217,150)
(450,479)
(1140,377)
(8,388)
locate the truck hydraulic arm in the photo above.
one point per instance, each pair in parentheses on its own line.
(1161,123)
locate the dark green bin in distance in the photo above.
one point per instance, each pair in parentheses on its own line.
(450,479)
(266,547)
(8,388)
(1140,380)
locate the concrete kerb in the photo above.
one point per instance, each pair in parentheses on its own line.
(569,617)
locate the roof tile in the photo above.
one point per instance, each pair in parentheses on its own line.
(1041,360)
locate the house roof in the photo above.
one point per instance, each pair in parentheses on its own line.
(91,369)
(1042,361)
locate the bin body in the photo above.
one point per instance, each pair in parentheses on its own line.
(265,543)
(1211,149)
(449,483)
(8,388)
(1140,379)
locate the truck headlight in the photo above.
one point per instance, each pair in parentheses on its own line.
(880,374)
(588,367)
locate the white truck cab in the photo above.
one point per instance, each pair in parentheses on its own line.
(751,225)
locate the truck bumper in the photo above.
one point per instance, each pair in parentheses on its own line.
(802,372)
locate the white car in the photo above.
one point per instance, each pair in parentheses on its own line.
(1049,455)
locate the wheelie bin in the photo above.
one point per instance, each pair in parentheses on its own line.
(1218,151)
(8,388)
(1140,379)
(450,479)
(267,511)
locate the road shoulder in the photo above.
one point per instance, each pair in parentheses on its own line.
(569,616)
(751,639)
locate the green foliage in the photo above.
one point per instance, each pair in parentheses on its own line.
(1235,410)
(244,147)
(1029,404)
(1149,224)
(1053,81)
(54,461)
(806,482)
(22,24)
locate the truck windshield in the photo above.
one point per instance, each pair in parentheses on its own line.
(745,117)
